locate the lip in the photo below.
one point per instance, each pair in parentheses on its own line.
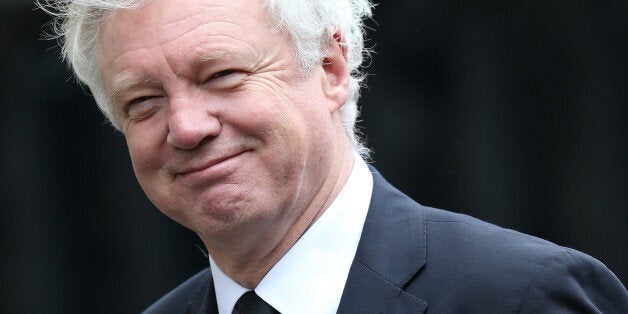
(209,171)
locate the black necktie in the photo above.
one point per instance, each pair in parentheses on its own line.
(251,303)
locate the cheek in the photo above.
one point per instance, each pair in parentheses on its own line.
(144,153)
(279,129)
(147,164)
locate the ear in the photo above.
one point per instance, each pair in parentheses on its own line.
(336,79)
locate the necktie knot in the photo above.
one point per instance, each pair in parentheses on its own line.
(251,303)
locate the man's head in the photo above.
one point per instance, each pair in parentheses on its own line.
(309,25)
(238,114)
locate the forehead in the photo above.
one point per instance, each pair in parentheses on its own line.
(180,25)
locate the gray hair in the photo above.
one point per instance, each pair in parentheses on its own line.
(308,23)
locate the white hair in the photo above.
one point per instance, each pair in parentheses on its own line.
(309,24)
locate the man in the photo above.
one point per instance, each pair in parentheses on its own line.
(239,117)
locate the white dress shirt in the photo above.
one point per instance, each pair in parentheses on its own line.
(311,276)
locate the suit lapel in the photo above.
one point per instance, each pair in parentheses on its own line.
(203,300)
(392,251)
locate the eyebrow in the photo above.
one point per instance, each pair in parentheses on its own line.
(217,54)
(212,55)
(124,84)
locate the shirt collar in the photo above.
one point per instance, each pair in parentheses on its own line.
(311,276)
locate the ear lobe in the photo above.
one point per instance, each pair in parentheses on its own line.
(336,80)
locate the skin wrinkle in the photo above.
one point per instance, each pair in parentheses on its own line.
(115,97)
(195,28)
(124,88)
(120,90)
(122,85)
(174,24)
(184,19)
(172,41)
(210,59)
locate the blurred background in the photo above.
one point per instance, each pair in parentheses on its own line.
(510,111)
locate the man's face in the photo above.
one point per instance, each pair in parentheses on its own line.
(224,131)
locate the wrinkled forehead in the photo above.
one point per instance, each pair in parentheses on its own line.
(166,14)
(168,20)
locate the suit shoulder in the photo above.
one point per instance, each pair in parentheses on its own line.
(573,281)
(177,300)
(486,248)
(455,225)
(523,273)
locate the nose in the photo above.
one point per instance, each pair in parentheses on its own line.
(188,125)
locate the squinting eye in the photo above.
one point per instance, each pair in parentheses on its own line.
(222,73)
(139,100)
(226,79)
(142,107)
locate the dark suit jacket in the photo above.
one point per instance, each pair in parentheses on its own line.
(413,258)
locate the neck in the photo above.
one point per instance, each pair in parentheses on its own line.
(246,256)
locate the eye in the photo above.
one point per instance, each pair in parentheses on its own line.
(222,73)
(142,107)
(139,100)
(225,79)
